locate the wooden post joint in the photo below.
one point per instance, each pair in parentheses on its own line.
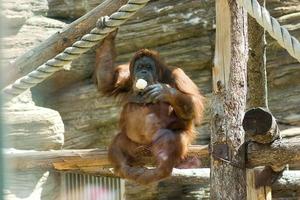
(220,151)
(223,153)
(260,126)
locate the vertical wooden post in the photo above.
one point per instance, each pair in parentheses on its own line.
(257,74)
(228,174)
(253,193)
(257,93)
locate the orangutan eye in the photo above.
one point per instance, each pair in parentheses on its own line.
(149,67)
(138,67)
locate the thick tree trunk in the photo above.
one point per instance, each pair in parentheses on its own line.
(228,174)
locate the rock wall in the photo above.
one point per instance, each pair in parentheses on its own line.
(30,127)
(182,31)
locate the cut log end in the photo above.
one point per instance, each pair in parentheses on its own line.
(260,125)
(257,121)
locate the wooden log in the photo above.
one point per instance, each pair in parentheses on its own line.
(59,41)
(182,184)
(256,66)
(288,186)
(260,126)
(228,176)
(257,95)
(64,159)
(85,160)
(191,176)
(71,9)
(276,155)
(285,151)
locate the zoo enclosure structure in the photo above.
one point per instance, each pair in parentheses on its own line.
(229,72)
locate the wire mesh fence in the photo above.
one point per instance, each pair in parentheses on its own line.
(88,187)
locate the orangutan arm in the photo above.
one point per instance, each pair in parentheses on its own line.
(110,79)
(186,98)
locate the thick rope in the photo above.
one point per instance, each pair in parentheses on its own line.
(281,34)
(69,54)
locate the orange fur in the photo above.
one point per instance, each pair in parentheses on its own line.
(164,129)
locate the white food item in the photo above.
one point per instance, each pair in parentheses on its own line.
(141,84)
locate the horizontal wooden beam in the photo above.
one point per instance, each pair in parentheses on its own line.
(83,160)
(286,187)
(279,153)
(57,159)
(203,174)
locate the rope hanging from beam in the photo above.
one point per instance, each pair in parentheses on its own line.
(69,54)
(279,33)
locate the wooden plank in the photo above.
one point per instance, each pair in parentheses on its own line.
(228,174)
(253,193)
(223,45)
(79,160)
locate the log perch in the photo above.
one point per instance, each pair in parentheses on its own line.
(279,153)
(260,126)
(83,160)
